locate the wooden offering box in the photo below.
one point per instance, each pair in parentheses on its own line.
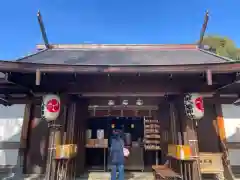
(211,163)
(66,151)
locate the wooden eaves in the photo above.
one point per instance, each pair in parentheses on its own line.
(25,67)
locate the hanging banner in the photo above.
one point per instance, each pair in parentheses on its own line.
(51,106)
(194,106)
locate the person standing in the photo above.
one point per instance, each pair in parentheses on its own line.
(117,156)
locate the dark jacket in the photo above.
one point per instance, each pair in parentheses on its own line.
(116,151)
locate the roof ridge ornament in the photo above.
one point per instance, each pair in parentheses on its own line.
(203,30)
(43,31)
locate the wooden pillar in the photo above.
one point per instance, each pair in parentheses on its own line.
(207,126)
(55,134)
(170,129)
(51,165)
(164,119)
(68,134)
(75,129)
(82,115)
(190,137)
(37,143)
(176,136)
(28,113)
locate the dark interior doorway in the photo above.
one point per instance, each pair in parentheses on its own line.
(133,128)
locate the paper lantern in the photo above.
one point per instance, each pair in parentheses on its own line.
(139,102)
(111,102)
(51,106)
(194,106)
(125,102)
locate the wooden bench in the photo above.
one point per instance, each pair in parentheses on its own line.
(164,172)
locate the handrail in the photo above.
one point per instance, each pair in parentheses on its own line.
(228,174)
(227,168)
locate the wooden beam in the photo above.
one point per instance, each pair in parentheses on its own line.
(24,67)
(10,80)
(225,99)
(38,77)
(140,88)
(126,94)
(121,107)
(8,86)
(233,145)
(209,77)
(22,101)
(115,84)
(4,101)
(133,86)
(118,100)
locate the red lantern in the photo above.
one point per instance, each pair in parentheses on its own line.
(194,106)
(51,106)
(199,104)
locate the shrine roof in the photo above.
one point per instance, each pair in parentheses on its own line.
(129,54)
(103,58)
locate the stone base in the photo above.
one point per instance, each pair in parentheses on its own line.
(128,176)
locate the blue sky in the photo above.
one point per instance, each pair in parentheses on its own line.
(112,21)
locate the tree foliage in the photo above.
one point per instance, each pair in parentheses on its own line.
(222,46)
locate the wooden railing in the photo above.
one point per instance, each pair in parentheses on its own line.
(225,159)
(226,164)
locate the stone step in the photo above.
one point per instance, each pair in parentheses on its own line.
(87,176)
(128,175)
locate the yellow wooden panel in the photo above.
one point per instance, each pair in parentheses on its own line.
(66,151)
(221,128)
(181,152)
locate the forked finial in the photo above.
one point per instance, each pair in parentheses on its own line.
(42,29)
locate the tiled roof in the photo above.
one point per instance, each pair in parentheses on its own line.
(123,55)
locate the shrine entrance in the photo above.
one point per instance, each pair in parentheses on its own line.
(141,134)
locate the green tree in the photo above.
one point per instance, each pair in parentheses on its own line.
(222,46)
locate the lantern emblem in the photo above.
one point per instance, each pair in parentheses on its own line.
(51,107)
(194,106)
(199,104)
